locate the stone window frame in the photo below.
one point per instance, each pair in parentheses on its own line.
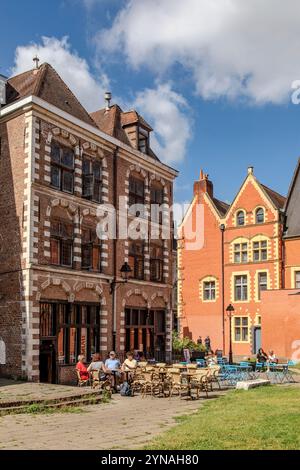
(237,212)
(210,278)
(234,326)
(255,215)
(232,287)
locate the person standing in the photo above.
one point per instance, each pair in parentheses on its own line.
(199,340)
(207,343)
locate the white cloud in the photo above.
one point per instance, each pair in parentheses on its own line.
(232,48)
(166,111)
(73,69)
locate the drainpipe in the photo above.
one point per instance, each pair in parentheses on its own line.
(222,228)
(115,242)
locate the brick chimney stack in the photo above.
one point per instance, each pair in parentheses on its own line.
(204,185)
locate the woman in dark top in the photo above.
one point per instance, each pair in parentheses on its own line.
(261,356)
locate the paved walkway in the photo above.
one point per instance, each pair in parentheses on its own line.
(12,391)
(124,423)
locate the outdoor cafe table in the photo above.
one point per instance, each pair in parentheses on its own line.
(188,377)
(281,372)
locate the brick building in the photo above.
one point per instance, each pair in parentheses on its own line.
(282,308)
(240,256)
(61,289)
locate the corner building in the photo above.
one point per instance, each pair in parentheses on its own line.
(61,288)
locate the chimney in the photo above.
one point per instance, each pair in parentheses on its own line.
(204,185)
(107,98)
(3,81)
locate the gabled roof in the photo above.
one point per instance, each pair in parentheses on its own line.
(221,206)
(113,120)
(133,117)
(292,211)
(46,84)
(293,183)
(277,199)
(109,121)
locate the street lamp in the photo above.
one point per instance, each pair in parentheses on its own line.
(230,310)
(125,272)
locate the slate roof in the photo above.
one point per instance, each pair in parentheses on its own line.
(292,207)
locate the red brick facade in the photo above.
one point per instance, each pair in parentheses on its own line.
(29,204)
(248,234)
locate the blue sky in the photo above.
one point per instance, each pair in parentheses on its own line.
(220,79)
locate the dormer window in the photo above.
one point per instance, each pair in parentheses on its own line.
(143,140)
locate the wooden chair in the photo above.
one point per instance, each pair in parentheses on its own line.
(96,382)
(213,376)
(176,385)
(200,382)
(151,384)
(82,382)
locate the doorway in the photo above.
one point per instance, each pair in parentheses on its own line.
(257,339)
(48,361)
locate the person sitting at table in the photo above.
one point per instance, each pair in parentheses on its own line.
(272,359)
(261,356)
(113,369)
(97,365)
(81,368)
(129,366)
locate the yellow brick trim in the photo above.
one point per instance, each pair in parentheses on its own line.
(260,206)
(232,284)
(233,329)
(269,282)
(294,269)
(237,241)
(201,288)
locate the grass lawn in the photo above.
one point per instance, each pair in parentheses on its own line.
(262,418)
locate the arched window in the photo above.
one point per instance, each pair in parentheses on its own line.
(240,218)
(259,215)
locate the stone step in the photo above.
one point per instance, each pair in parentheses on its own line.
(50,401)
(72,403)
(248,384)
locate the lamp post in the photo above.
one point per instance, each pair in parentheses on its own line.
(223,228)
(125,271)
(230,310)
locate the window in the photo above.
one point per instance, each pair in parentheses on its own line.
(143,141)
(61,243)
(62,167)
(260,250)
(77,328)
(209,290)
(241,288)
(260,215)
(241,329)
(262,283)
(156,200)
(240,218)
(136,191)
(91,251)
(91,181)
(136,260)
(156,263)
(297,279)
(241,252)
